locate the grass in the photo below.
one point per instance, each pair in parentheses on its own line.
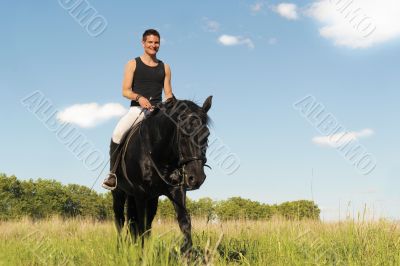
(275,242)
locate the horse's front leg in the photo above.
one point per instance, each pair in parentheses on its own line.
(132,218)
(140,217)
(119,198)
(178,198)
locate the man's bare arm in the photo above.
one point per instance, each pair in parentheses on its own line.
(167,82)
(127,81)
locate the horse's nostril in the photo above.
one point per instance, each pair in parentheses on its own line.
(191,179)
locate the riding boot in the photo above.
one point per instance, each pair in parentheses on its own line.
(110,182)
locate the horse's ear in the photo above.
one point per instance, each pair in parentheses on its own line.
(207,104)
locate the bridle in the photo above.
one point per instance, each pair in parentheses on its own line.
(183,161)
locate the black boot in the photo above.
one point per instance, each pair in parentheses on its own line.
(110,182)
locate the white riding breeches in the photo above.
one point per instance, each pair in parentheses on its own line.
(134,115)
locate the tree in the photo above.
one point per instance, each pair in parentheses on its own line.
(44,198)
(297,210)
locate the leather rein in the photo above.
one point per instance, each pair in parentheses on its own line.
(181,164)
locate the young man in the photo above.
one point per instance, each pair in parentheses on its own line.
(144,79)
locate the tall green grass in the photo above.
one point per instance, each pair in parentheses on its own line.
(275,242)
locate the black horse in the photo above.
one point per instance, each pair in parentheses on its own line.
(166,156)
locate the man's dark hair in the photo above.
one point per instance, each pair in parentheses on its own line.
(150,32)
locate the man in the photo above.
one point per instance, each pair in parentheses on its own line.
(144,79)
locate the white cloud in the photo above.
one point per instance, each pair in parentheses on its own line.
(210,25)
(357,24)
(339,139)
(286,10)
(256,7)
(90,114)
(229,40)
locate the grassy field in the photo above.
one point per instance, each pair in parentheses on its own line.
(276,242)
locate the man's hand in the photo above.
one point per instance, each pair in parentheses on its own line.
(144,103)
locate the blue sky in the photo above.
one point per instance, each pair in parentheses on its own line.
(257,58)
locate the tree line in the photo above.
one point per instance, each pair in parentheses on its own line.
(43,198)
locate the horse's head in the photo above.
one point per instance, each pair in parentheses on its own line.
(191,139)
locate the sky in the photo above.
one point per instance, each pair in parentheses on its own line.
(292,84)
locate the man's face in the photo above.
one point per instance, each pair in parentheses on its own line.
(151,44)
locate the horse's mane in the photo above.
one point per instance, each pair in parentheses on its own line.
(195,108)
(161,114)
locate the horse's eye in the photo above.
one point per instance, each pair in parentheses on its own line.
(190,125)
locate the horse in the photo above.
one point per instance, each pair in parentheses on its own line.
(166,156)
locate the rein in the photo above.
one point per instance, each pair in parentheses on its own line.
(121,154)
(181,172)
(181,164)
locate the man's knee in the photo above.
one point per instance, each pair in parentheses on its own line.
(117,136)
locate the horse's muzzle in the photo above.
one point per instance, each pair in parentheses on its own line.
(193,183)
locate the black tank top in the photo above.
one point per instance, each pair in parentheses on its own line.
(148,81)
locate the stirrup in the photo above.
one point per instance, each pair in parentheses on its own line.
(116,182)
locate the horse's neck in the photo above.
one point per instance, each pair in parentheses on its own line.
(161,134)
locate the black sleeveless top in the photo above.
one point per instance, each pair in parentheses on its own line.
(148,81)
